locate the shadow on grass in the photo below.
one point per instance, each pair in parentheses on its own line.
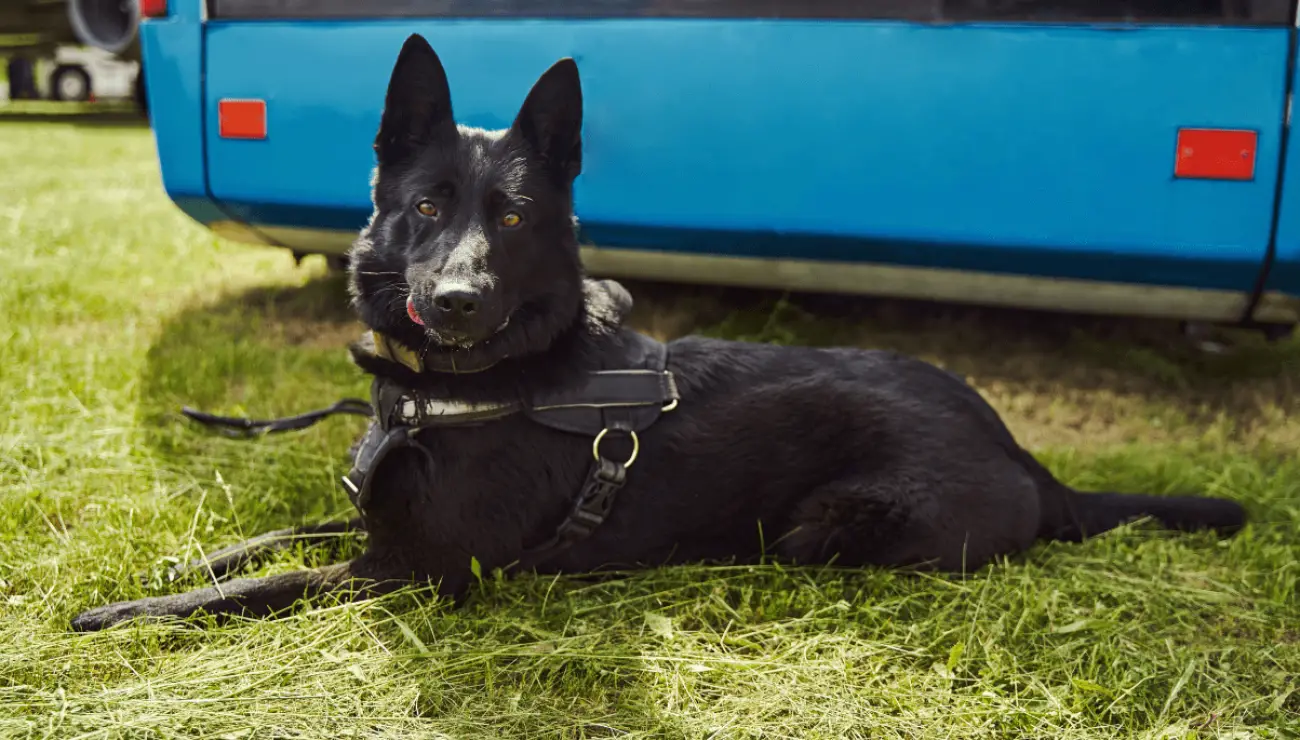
(1033,351)
(112,111)
(281,350)
(98,120)
(265,352)
(222,353)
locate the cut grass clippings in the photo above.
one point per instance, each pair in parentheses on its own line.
(117,310)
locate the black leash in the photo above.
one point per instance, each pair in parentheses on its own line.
(589,510)
(236,427)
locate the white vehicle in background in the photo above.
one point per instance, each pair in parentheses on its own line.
(81,73)
(74,50)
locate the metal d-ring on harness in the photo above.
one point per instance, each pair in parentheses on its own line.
(624,401)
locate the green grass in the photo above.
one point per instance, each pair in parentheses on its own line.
(117,310)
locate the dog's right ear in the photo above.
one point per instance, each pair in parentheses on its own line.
(417,109)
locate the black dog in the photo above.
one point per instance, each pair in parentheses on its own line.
(500,370)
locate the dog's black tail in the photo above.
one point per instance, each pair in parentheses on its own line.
(1071,515)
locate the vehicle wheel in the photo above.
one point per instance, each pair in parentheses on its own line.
(70,82)
(22,80)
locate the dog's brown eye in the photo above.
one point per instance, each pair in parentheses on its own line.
(511,220)
(427,208)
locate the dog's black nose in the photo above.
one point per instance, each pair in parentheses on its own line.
(458,301)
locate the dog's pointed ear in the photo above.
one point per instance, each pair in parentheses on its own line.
(417,108)
(550,121)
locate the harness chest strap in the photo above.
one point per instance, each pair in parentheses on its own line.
(622,402)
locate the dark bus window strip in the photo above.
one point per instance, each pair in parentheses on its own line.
(1194,12)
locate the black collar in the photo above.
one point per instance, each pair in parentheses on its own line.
(387,348)
(627,399)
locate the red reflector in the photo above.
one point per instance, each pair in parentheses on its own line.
(241,119)
(153,8)
(1215,154)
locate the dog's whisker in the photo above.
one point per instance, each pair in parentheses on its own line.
(396,302)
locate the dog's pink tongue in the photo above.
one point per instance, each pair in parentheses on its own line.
(410,311)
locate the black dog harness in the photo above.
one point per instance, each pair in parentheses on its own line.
(607,403)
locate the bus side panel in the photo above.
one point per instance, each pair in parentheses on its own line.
(1028,148)
(172,48)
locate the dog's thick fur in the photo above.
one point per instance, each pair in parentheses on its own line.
(867,457)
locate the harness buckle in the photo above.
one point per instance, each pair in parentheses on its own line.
(594,502)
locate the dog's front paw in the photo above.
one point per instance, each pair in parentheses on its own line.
(111,614)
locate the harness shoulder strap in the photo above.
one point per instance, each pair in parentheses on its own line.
(623,400)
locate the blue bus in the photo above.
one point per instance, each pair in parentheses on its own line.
(1108,156)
